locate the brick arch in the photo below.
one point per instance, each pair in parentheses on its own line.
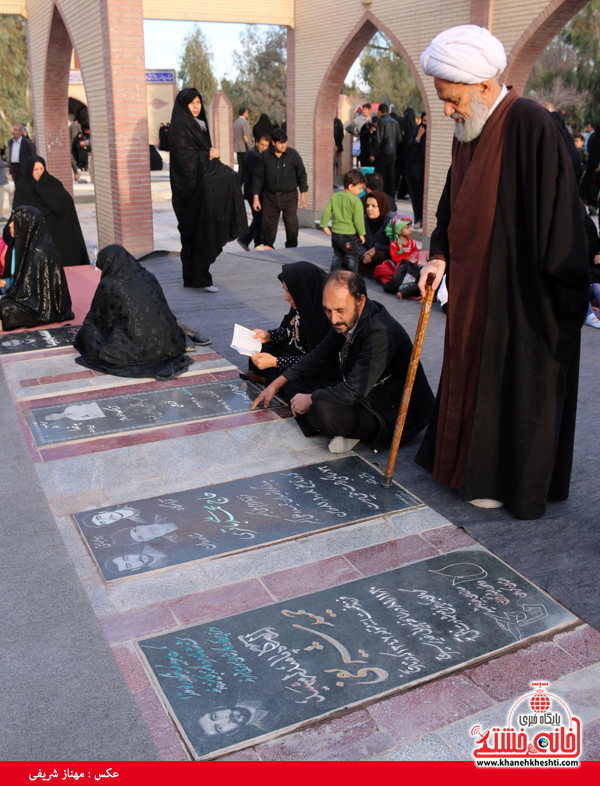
(327,99)
(536,38)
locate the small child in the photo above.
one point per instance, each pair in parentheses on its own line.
(348,222)
(404,258)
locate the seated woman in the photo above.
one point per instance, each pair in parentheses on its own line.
(38,293)
(40,190)
(376,248)
(400,274)
(129,330)
(305,326)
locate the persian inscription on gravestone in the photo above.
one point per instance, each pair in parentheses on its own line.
(30,340)
(149,534)
(240,680)
(134,411)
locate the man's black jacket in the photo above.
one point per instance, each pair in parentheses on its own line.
(374,363)
(388,137)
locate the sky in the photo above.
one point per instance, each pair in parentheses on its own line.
(163,42)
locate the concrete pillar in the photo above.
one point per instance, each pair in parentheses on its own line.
(220,122)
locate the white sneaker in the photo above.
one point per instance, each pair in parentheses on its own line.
(212,288)
(486,503)
(342,444)
(593,321)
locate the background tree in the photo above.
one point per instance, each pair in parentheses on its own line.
(388,77)
(260,82)
(195,65)
(15,89)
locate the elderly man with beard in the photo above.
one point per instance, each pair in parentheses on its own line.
(509,237)
(372,351)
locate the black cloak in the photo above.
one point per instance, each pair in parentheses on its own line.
(206,194)
(264,127)
(305,284)
(39,294)
(55,203)
(129,330)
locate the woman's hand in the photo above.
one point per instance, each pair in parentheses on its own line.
(263,360)
(262,335)
(214,153)
(368,256)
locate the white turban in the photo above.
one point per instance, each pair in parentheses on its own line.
(467,54)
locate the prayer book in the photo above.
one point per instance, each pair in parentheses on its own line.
(244,341)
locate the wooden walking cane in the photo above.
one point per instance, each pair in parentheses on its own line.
(410,380)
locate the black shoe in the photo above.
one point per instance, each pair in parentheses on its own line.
(201,341)
(242,244)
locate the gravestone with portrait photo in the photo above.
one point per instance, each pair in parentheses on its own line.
(149,534)
(248,678)
(86,419)
(29,340)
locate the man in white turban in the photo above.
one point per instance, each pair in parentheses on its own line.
(509,237)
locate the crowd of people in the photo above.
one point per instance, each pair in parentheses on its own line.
(513,235)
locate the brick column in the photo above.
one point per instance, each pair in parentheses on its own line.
(56,87)
(482,12)
(220,122)
(290,117)
(122,170)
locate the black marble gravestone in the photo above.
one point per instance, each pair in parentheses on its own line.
(30,340)
(149,534)
(133,411)
(243,679)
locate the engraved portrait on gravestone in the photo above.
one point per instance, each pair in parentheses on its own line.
(88,411)
(228,721)
(131,562)
(142,533)
(103,518)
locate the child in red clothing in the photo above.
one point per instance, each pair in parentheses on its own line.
(404,257)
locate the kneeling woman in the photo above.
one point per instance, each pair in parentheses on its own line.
(206,194)
(38,292)
(130,330)
(301,330)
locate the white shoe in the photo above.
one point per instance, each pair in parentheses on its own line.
(593,321)
(486,503)
(342,444)
(212,288)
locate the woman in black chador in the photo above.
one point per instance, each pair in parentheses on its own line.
(129,330)
(41,190)
(302,328)
(39,293)
(206,194)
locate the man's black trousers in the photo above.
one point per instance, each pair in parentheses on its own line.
(272,206)
(384,165)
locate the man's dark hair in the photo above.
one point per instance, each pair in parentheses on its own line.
(355,283)
(244,711)
(242,110)
(264,136)
(375,181)
(122,537)
(353,177)
(279,135)
(383,109)
(366,106)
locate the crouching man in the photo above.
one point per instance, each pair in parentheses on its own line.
(372,352)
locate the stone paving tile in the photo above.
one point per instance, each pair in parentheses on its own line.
(511,674)
(591,742)
(194,452)
(162,586)
(429,748)
(99,470)
(393,554)
(134,673)
(583,644)
(281,460)
(166,484)
(268,559)
(458,735)
(246,755)
(138,624)
(448,538)
(269,437)
(587,683)
(75,503)
(350,538)
(310,578)
(429,707)
(418,520)
(165,737)
(347,738)
(49,486)
(99,598)
(582,703)
(41,367)
(83,563)
(53,389)
(221,602)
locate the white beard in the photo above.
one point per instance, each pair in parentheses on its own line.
(472,126)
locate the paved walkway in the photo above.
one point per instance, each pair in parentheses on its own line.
(430,722)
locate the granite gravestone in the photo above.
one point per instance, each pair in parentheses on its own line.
(243,679)
(150,534)
(30,340)
(134,411)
